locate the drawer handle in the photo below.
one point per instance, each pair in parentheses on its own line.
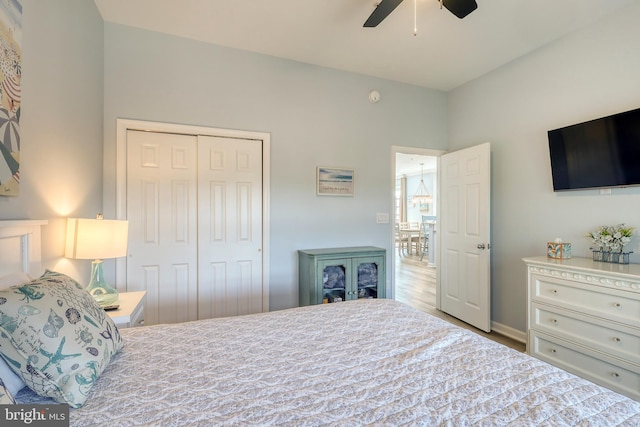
(553,350)
(617,339)
(554,321)
(554,291)
(617,305)
(615,375)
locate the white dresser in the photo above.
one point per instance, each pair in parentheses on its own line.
(584,317)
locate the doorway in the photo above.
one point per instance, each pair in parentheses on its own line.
(414,256)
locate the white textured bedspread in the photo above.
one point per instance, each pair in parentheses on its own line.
(367,362)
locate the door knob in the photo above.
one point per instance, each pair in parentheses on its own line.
(481,246)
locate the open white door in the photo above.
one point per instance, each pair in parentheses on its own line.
(465,285)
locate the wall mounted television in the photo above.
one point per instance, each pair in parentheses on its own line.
(600,153)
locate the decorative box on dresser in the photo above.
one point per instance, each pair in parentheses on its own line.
(130,312)
(584,317)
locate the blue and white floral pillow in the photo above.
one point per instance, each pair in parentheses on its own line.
(56,337)
(5,395)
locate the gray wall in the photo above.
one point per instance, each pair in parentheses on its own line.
(316,117)
(61,121)
(589,74)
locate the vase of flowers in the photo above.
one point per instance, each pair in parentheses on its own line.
(608,243)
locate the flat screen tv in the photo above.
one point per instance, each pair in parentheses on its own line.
(599,153)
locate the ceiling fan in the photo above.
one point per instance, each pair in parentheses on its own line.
(460,8)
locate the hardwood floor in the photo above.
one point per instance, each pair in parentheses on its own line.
(415,285)
(415,282)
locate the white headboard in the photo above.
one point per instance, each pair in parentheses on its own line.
(20,247)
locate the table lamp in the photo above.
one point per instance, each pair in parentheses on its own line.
(97,239)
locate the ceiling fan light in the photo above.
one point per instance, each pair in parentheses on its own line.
(460,8)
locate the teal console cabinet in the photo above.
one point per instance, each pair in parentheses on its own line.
(341,274)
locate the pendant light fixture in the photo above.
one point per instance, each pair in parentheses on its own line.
(422,195)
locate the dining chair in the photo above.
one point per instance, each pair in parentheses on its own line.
(415,239)
(424,234)
(402,238)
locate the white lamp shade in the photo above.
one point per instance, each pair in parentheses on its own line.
(96,238)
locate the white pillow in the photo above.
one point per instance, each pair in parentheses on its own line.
(11,380)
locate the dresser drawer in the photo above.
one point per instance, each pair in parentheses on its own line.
(612,304)
(599,368)
(618,340)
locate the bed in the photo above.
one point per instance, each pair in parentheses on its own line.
(366,362)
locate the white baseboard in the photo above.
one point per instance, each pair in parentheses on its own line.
(509,332)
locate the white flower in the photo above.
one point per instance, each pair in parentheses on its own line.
(611,238)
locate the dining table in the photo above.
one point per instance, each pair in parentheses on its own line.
(409,233)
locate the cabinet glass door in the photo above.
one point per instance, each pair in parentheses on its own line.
(368,278)
(334,280)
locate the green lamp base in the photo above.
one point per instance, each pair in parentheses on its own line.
(98,287)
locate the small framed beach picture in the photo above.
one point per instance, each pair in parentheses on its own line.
(335,181)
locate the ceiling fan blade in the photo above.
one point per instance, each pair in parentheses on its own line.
(460,8)
(382,10)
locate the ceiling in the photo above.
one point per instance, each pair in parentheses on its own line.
(446,52)
(410,164)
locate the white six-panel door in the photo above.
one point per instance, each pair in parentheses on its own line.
(230,226)
(194,205)
(162,214)
(465,286)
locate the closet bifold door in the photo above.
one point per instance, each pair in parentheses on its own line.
(162,214)
(229,226)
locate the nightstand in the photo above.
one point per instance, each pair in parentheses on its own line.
(131,310)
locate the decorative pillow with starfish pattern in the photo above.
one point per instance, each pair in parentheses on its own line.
(56,337)
(5,395)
